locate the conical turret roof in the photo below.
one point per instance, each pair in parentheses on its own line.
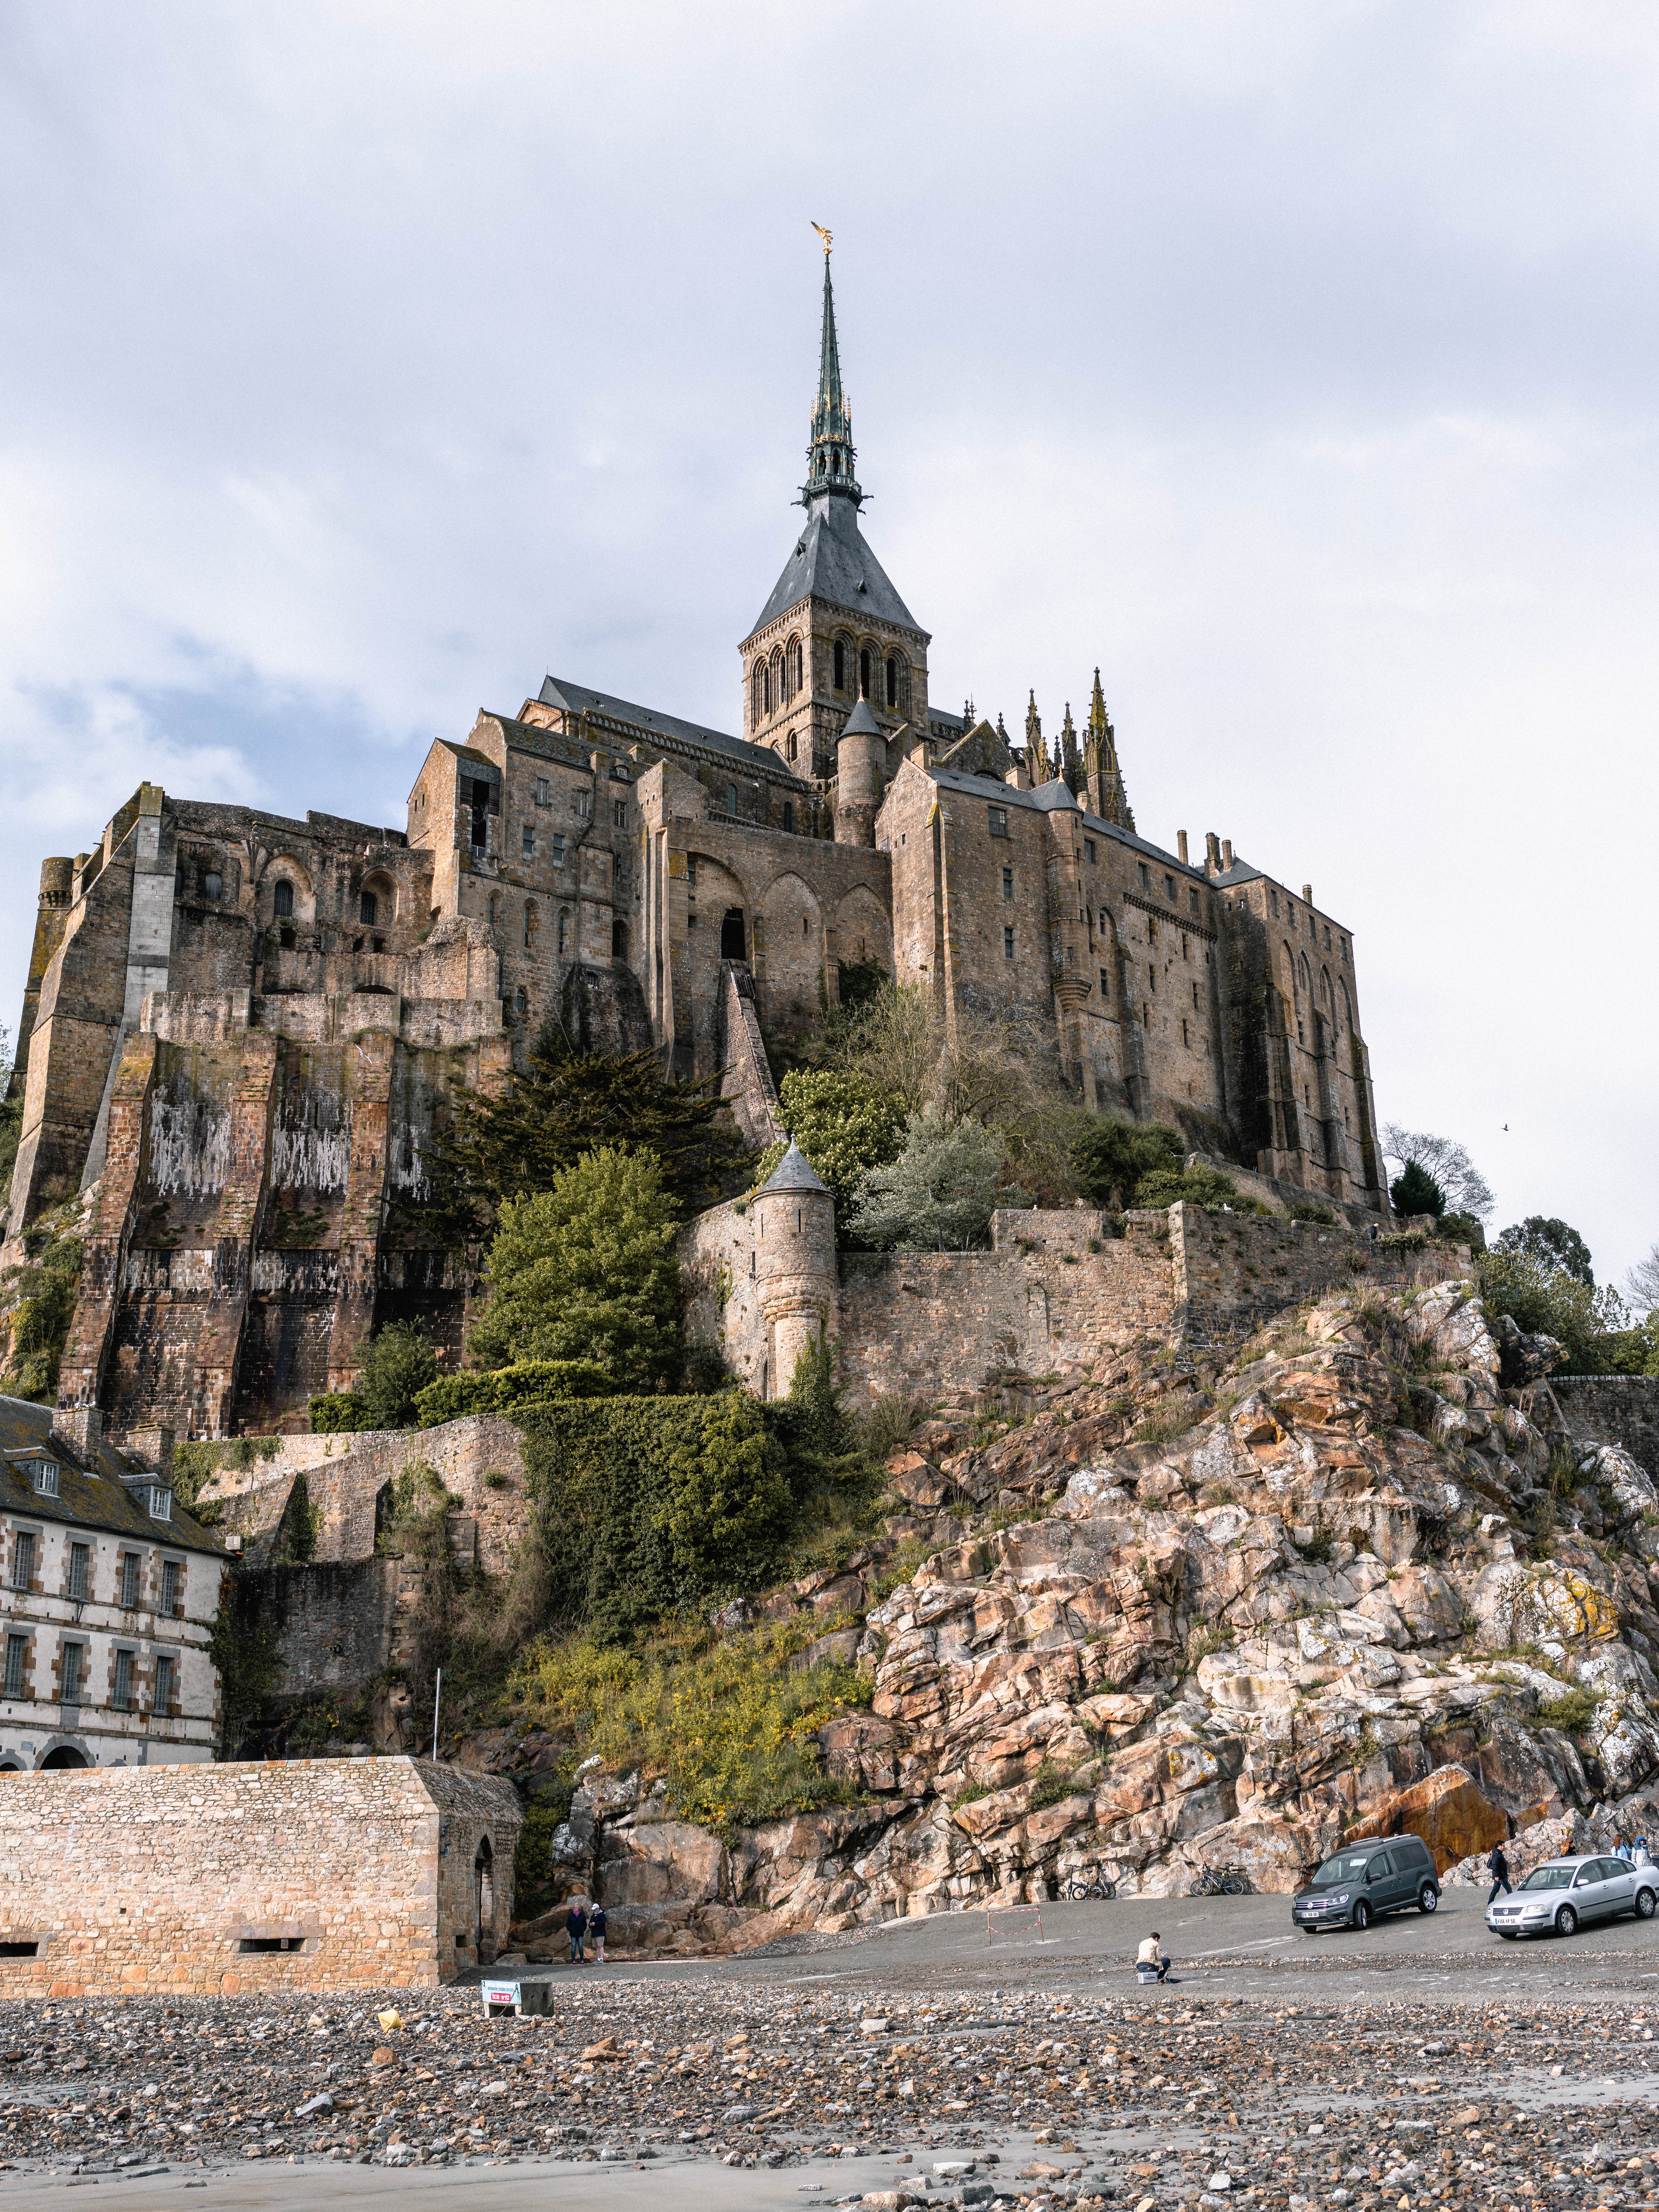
(794,1171)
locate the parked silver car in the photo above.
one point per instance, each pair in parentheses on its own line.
(1563,1893)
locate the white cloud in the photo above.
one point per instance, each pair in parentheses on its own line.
(358,362)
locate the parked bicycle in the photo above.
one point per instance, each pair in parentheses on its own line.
(1096,1885)
(1221,1881)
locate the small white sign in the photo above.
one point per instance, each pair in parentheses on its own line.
(496,1993)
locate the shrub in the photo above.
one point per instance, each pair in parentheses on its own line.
(1048,1785)
(397,1366)
(648,1505)
(727,1721)
(843,1124)
(45,1289)
(1305,1210)
(587,1271)
(1111,1156)
(1570,1712)
(530,1382)
(1196,1186)
(1550,1303)
(338,1413)
(940,1192)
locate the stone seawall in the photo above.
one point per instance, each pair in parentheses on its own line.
(209,1880)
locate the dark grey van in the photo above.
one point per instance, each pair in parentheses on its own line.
(1382,1874)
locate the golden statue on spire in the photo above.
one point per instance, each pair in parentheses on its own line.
(828,236)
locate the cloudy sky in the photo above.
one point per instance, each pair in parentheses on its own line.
(1293,361)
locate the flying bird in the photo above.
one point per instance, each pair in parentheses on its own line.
(827,236)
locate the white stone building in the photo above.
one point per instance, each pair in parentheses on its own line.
(108,1591)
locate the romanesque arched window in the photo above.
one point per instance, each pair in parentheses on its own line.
(864,671)
(840,665)
(757,687)
(281,899)
(892,672)
(776,678)
(792,662)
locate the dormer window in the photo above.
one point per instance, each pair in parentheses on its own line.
(45,1478)
(161,1503)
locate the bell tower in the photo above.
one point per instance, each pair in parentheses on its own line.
(834,632)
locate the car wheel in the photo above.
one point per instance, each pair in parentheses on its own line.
(1645,1904)
(1427,1898)
(1566,1921)
(1361,1915)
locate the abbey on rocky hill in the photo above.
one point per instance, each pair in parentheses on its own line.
(240,1026)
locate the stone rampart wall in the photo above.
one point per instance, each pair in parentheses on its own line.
(938,1323)
(151,1880)
(1234,1272)
(345,1476)
(1615,1409)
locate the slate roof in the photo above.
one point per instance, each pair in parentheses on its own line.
(580,698)
(794,1171)
(89,1495)
(832,560)
(1055,797)
(862,723)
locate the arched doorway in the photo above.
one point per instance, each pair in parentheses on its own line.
(65,1755)
(484,1901)
(734,944)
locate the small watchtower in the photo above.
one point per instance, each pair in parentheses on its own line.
(794,1217)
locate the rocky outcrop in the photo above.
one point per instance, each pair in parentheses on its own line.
(1175,1617)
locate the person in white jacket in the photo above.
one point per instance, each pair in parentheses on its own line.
(1150,1955)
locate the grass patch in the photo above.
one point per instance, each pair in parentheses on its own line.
(1049,1784)
(1570,1712)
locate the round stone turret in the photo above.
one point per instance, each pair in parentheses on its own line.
(860,756)
(794,1217)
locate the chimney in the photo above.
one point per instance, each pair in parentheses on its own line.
(1307,894)
(1226,853)
(1181,842)
(152,1449)
(1211,852)
(82,1428)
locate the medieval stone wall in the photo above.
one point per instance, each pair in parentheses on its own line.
(1235,1271)
(151,1880)
(1617,1409)
(479,1460)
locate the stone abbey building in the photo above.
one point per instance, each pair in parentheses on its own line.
(241,1027)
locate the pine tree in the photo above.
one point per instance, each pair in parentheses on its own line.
(563,1104)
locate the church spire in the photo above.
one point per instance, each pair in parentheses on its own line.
(1107,797)
(829,456)
(1071,769)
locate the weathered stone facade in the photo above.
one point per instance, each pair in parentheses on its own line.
(108,1592)
(214,1881)
(241,1030)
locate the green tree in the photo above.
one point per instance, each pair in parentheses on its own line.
(397,1366)
(586,1270)
(1550,1302)
(939,1194)
(45,1289)
(563,1104)
(1554,1244)
(1416,1191)
(1195,1186)
(1111,1156)
(843,1124)
(1462,1188)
